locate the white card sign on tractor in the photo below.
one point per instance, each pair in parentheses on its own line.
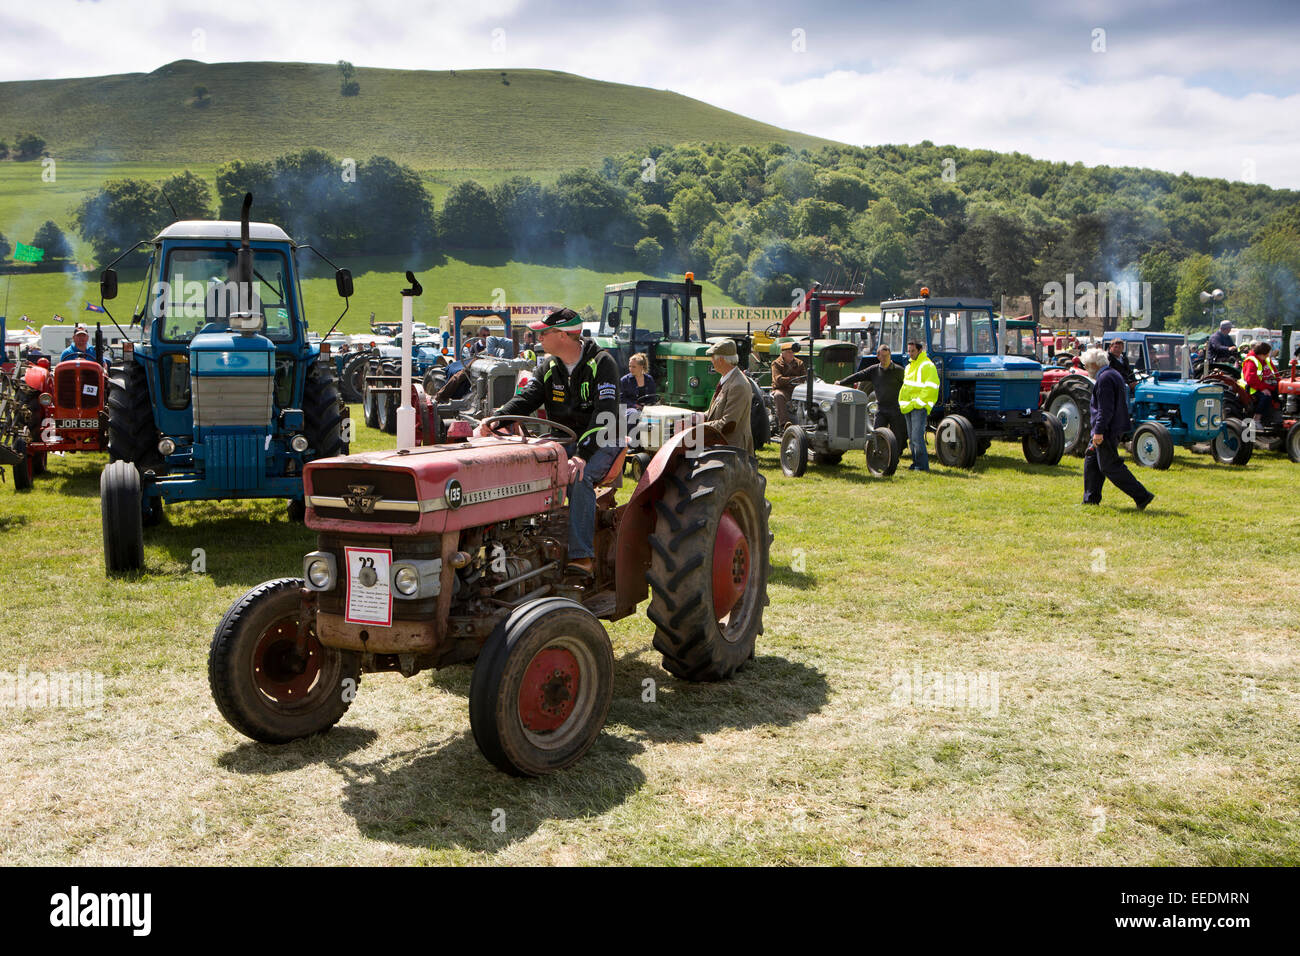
(370,596)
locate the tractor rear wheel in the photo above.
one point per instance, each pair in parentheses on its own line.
(1045,444)
(370,408)
(132,434)
(1230,446)
(882,451)
(794,451)
(121,506)
(1069,402)
(261,685)
(1153,447)
(352,377)
(323,413)
(955,444)
(541,687)
(1293,442)
(434,380)
(709,565)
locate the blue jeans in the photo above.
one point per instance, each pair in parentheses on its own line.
(916,420)
(582,503)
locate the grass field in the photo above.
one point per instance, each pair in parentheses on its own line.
(1138,689)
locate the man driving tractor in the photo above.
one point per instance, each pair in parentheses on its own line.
(577,382)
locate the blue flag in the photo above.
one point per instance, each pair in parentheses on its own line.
(95,308)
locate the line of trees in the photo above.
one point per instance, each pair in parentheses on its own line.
(761,221)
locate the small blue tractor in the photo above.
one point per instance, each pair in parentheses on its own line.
(225,397)
(1185,413)
(984,393)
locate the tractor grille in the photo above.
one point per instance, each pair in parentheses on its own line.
(850,420)
(233,461)
(234,400)
(386,486)
(988,396)
(503,389)
(69,388)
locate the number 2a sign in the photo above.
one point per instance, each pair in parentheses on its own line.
(369,597)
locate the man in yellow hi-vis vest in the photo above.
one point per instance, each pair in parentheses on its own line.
(918,396)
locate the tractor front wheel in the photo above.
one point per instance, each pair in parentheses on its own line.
(1230,446)
(370,408)
(955,444)
(324,413)
(1153,447)
(264,687)
(121,506)
(709,565)
(352,377)
(434,380)
(635,465)
(1293,442)
(794,451)
(541,687)
(1069,403)
(23,469)
(882,450)
(1045,443)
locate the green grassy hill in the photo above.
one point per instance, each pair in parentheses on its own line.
(536,119)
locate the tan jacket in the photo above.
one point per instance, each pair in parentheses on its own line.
(729,411)
(784,373)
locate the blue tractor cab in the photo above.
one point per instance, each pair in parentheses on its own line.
(225,396)
(1154,352)
(984,393)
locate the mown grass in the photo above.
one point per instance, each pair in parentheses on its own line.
(1146,669)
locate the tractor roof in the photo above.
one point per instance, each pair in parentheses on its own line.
(652,285)
(222,229)
(935,303)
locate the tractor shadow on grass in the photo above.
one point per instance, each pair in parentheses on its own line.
(245,549)
(446,795)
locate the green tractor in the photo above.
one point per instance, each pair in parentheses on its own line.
(665,322)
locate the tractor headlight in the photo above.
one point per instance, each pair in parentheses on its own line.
(415,578)
(319,570)
(406,581)
(826,406)
(694,381)
(299,443)
(47,399)
(166,447)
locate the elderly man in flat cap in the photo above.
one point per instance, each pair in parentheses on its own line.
(732,399)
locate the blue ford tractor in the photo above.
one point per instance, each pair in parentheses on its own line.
(1186,413)
(984,393)
(225,397)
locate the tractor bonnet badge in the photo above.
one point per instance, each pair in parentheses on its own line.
(453,494)
(361,499)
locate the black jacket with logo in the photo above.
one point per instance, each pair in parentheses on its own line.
(587,402)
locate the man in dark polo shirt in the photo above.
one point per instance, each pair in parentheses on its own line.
(886,378)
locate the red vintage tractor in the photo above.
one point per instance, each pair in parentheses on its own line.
(1282,434)
(1066,393)
(449,553)
(46,410)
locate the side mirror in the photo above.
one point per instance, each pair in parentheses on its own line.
(613,319)
(108,284)
(343,282)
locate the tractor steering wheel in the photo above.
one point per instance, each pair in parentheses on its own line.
(773,330)
(554,430)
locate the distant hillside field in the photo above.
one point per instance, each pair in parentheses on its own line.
(536,120)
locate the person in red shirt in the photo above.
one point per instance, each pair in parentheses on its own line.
(1259,375)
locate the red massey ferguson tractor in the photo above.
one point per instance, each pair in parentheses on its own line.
(450,553)
(45,410)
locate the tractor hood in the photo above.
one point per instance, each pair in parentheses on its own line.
(1006,367)
(1171,393)
(828,392)
(435,488)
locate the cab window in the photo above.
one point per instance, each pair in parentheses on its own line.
(200,292)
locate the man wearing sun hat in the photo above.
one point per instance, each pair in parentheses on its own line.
(577,382)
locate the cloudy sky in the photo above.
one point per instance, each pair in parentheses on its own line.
(1212,88)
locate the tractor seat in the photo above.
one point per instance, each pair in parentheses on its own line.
(614,477)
